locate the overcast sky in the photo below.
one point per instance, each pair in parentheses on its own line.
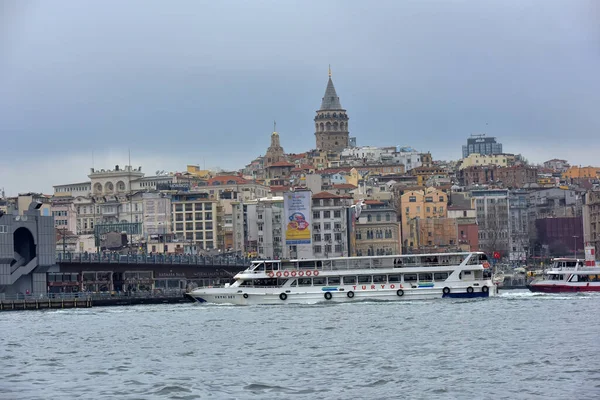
(200,82)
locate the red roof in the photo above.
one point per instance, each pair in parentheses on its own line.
(328,195)
(224,179)
(344,186)
(282,164)
(279,188)
(335,170)
(297,156)
(373,202)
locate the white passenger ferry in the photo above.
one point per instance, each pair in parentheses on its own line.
(569,275)
(400,277)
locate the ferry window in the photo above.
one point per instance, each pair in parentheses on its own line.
(410,277)
(333,280)
(294,283)
(467,272)
(246,283)
(364,279)
(304,282)
(379,279)
(394,278)
(281,282)
(349,280)
(307,265)
(318,281)
(440,276)
(425,277)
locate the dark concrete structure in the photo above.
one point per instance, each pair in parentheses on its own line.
(27,251)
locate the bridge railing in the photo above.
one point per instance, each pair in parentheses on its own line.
(183,259)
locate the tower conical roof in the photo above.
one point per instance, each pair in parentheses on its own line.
(331,101)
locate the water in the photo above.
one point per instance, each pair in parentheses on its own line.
(517,346)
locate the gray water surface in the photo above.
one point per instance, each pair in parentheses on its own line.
(517,346)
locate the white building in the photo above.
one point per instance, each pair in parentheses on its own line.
(406,156)
(261,226)
(330,225)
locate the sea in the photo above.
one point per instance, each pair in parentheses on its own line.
(518,345)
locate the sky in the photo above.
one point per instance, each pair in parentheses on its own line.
(82,84)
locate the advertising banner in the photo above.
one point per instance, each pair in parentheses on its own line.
(297,216)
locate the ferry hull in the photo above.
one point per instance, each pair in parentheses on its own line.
(564,288)
(226,296)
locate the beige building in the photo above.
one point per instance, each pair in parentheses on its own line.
(197,220)
(418,204)
(476,159)
(432,235)
(377,230)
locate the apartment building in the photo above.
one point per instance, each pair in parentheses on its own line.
(330,225)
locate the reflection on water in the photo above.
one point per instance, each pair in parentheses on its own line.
(519,345)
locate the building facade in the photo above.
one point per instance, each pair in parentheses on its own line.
(330,224)
(591,219)
(492,207)
(378,229)
(197,220)
(481,144)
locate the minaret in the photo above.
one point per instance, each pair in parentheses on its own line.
(331,122)
(275,151)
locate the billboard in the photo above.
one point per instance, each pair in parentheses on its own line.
(296,206)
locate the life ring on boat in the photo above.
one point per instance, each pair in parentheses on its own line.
(283,296)
(350,294)
(485,289)
(400,292)
(446,290)
(286,273)
(315,273)
(271,274)
(300,273)
(245,295)
(308,273)
(470,289)
(278,274)
(293,273)
(328,296)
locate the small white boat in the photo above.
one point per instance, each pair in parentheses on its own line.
(345,279)
(569,275)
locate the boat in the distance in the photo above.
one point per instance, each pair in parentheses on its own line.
(569,275)
(345,279)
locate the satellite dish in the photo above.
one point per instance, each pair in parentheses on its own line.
(157,172)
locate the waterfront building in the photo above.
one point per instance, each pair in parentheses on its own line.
(560,237)
(424,173)
(377,229)
(258,227)
(197,220)
(481,144)
(330,225)
(331,122)
(518,226)
(432,235)
(461,209)
(492,207)
(419,204)
(64,212)
(591,219)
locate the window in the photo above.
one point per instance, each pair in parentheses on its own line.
(425,277)
(179,226)
(428,199)
(316,214)
(412,199)
(208,226)
(333,280)
(327,226)
(178,207)
(379,279)
(328,248)
(388,217)
(441,199)
(189,226)
(338,248)
(394,278)
(378,217)
(326,214)
(369,218)
(316,237)
(316,227)
(304,282)
(327,237)
(337,214)
(189,207)
(350,280)
(410,277)
(198,216)
(199,226)
(208,216)
(198,206)
(317,249)
(319,281)
(364,279)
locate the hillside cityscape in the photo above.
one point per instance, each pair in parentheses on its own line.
(361,200)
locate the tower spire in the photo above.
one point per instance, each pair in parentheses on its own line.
(330,70)
(274,126)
